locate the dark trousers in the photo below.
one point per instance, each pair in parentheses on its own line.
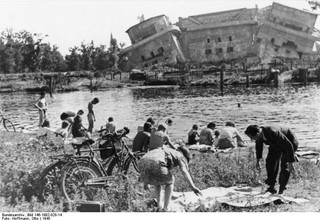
(273,161)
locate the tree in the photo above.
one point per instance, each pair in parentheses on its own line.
(8,51)
(87,56)
(52,60)
(114,52)
(101,58)
(73,61)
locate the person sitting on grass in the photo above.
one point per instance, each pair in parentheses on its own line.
(142,139)
(155,169)
(206,134)
(230,137)
(78,130)
(193,135)
(110,126)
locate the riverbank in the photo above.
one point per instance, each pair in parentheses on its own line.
(86,80)
(59,82)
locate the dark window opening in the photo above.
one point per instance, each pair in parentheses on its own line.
(208,51)
(143,58)
(208,40)
(230,38)
(272,40)
(219,39)
(230,49)
(219,50)
(152,54)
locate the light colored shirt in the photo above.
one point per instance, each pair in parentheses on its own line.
(228,137)
(230,133)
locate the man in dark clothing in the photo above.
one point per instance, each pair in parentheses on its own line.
(142,139)
(282,146)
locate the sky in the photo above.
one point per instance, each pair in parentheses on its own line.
(68,23)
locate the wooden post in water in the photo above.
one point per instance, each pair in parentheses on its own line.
(91,85)
(276,78)
(247,81)
(221,81)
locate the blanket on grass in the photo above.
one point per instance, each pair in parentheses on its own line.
(232,196)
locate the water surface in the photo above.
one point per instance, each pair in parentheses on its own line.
(295,106)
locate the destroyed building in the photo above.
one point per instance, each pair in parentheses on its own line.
(234,35)
(154,41)
(286,32)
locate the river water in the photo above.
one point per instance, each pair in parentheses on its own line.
(295,106)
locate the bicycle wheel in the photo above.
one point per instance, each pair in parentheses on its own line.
(9,125)
(50,180)
(115,167)
(131,171)
(74,178)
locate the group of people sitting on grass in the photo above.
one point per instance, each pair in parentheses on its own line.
(162,155)
(151,136)
(227,137)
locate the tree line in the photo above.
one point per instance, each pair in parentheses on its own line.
(24,52)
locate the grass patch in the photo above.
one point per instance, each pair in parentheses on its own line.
(22,158)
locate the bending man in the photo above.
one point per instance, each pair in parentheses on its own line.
(282,146)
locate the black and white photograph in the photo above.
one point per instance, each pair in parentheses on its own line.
(177,107)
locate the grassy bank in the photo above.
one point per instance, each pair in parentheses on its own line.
(22,158)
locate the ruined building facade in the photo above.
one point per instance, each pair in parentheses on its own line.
(154,41)
(235,35)
(286,32)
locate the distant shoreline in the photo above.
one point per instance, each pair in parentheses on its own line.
(86,80)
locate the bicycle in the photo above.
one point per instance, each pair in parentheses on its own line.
(7,124)
(50,177)
(78,174)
